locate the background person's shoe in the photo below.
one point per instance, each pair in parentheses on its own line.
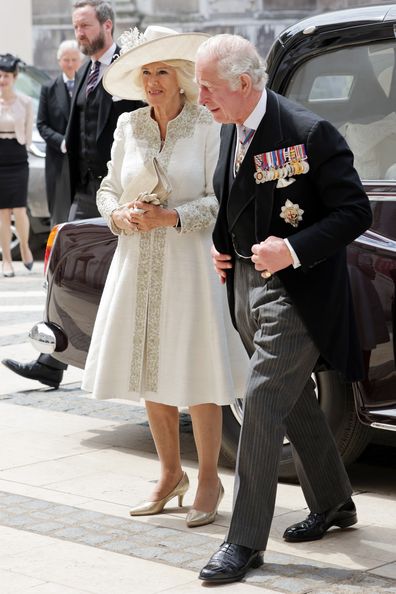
(36,371)
(8,271)
(316,525)
(29,265)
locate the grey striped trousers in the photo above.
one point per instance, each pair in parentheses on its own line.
(280,400)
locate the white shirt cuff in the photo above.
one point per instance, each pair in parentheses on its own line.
(296,261)
(63,146)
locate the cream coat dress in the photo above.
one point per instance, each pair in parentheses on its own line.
(163,330)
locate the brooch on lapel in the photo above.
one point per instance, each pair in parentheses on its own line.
(281,165)
(291,213)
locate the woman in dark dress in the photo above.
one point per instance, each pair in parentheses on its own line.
(16,122)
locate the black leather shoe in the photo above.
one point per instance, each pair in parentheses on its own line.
(230,563)
(316,525)
(36,371)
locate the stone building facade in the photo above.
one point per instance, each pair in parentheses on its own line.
(258,20)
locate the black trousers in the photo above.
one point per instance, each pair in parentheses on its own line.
(84,202)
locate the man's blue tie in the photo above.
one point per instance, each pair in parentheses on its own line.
(70,87)
(93,77)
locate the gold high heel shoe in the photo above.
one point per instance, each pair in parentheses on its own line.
(199,518)
(149,508)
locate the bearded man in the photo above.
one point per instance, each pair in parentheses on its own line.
(94,112)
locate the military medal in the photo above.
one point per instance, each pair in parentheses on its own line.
(281,165)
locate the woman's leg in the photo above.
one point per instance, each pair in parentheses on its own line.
(5,238)
(164,426)
(207,426)
(22,226)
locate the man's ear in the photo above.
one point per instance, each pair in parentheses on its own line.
(108,25)
(246,83)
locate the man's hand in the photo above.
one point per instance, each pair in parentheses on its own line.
(271,255)
(221,263)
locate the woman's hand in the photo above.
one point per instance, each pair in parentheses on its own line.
(122,217)
(152,217)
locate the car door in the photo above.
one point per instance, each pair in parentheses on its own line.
(354,86)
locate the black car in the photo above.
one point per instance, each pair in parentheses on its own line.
(342,65)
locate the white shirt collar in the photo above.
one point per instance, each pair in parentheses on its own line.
(65,79)
(106,58)
(254,119)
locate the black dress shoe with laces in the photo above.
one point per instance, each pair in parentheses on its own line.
(230,563)
(36,371)
(316,525)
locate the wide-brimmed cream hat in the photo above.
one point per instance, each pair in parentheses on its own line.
(156,44)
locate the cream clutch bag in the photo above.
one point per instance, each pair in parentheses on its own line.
(152,185)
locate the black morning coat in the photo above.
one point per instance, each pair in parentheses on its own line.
(109,112)
(52,118)
(336,211)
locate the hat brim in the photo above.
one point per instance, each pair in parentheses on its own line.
(118,79)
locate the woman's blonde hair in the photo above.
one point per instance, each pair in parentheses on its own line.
(185,72)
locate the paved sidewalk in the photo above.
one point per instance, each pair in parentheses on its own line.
(70,467)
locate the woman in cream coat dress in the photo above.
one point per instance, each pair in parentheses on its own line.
(162,332)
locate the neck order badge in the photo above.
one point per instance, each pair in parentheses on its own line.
(245,135)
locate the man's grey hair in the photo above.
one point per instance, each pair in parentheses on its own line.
(103,10)
(234,56)
(68,44)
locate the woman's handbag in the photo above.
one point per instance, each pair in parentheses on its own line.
(151,186)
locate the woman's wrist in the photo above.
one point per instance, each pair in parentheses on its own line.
(114,215)
(176,219)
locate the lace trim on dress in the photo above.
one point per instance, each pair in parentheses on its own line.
(146,338)
(194,215)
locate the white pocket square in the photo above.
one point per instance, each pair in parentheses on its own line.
(284,182)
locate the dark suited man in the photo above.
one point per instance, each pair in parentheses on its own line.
(52,118)
(290,201)
(89,136)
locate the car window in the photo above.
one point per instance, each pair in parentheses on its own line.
(331,88)
(29,82)
(355,88)
(29,86)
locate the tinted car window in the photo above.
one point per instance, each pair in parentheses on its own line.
(28,85)
(29,82)
(331,88)
(354,88)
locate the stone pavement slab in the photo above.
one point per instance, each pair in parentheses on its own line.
(71,467)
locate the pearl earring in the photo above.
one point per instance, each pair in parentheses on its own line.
(181,91)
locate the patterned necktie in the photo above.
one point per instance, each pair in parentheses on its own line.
(93,77)
(70,87)
(244,136)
